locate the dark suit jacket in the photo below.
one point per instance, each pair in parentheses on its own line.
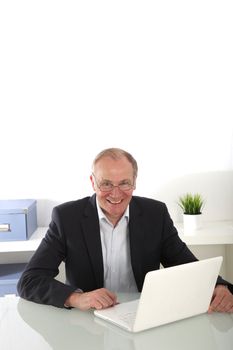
(74,237)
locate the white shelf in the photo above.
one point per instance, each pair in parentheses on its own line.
(29,245)
(212,233)
(215,232)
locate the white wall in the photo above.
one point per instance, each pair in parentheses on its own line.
(153,77)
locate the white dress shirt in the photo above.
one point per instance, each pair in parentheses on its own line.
(118,273)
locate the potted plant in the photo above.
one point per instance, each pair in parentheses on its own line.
(192,205)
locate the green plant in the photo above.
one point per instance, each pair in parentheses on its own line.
(191,204)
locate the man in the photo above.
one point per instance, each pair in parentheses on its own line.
(108,242)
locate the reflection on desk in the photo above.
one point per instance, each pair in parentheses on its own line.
(26,325)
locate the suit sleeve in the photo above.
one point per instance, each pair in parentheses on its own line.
(38,283)
(175,251)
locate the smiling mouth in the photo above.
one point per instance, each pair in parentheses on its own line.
(114,202)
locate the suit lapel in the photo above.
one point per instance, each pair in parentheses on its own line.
(91,232)
(136,241)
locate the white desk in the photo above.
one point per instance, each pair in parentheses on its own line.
(25,325)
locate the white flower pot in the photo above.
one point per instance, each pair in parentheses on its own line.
(191,223)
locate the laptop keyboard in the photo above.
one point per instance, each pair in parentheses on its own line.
(128,318)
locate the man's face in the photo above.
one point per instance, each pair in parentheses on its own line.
(117,172)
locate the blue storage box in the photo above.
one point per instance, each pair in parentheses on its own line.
(18,219)
(9,276)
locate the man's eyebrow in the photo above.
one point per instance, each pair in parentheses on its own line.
(107,180)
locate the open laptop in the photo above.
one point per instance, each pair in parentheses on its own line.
(168,295)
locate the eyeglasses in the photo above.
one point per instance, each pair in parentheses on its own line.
(107,186)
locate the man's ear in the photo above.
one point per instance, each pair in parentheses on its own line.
(92,182)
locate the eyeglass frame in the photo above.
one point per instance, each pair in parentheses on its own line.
(132,186)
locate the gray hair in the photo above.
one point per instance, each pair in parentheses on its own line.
(117,153)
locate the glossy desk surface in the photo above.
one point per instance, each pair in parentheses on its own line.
(26,325)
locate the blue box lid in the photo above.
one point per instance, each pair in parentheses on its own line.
(16,206)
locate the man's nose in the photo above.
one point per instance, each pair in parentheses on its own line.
(116,190)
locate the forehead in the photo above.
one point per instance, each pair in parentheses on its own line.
(113,169)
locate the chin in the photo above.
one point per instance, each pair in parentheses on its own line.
(117,211)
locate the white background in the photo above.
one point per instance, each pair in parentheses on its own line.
(153,77)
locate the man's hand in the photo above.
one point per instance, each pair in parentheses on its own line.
(96,299)
(222,300)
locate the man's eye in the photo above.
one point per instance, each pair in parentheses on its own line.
(127,183)
(106,184)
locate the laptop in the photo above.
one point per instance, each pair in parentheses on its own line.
(168,295)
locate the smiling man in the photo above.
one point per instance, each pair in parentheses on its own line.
(107,171)
(108,242)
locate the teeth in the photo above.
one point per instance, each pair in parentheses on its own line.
(114,202)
